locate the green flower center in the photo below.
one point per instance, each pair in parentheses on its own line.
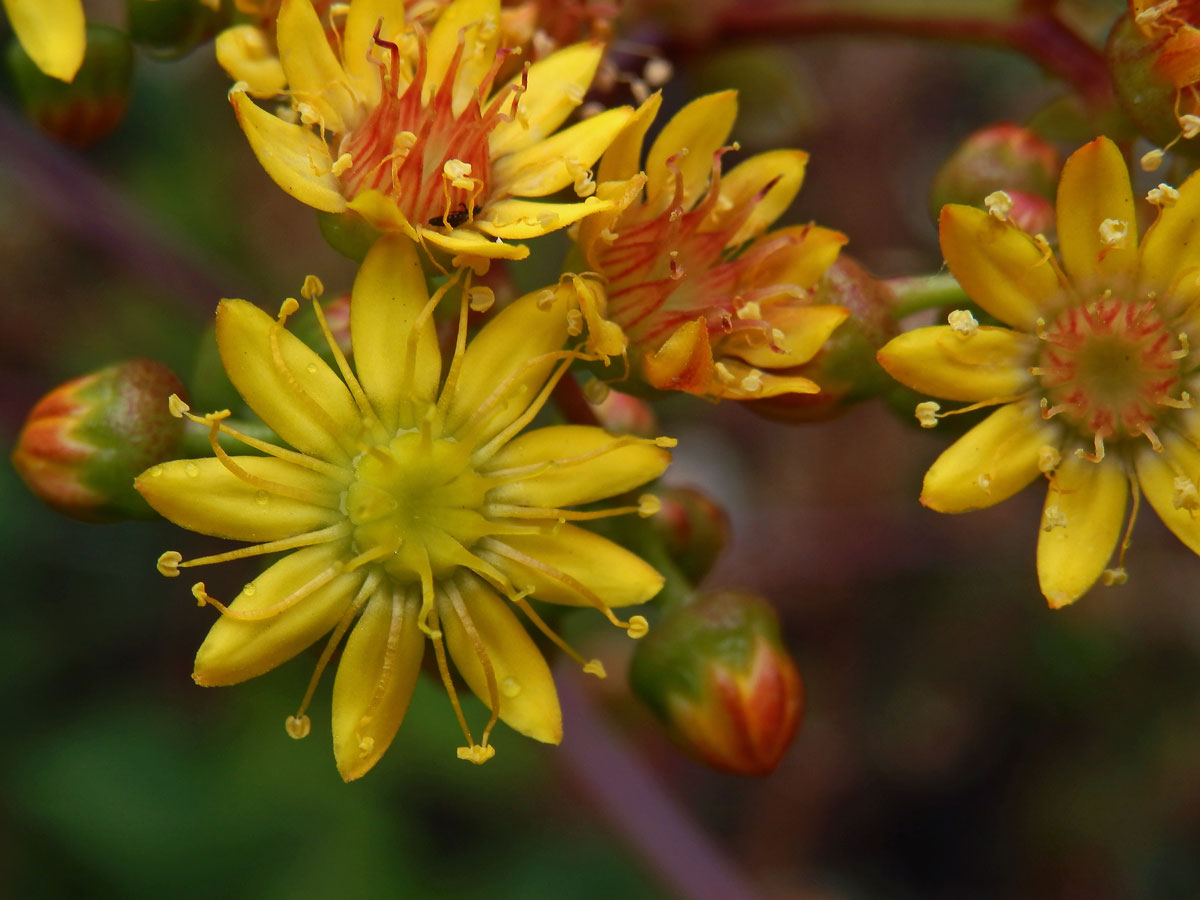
(1109,366)
(416,505)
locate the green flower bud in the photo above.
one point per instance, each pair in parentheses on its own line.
(84,442)
(348,233)
(694,529)
(170,29)
(1007,158)
(845,367)
(88,108)
(718,676)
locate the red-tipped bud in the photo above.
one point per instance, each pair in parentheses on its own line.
(1153,56)
(694,527)
(622,413)
(88,108)
(84,442)
(169,29)
(1007,158)
(845,367)
(717,674)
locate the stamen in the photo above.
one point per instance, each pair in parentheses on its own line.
(310,539)
(999,205)
(485,662)
(927,413)
(328,501)
(460,349)
(400,609)
(360,398)
(410,351)
(305,590)
(473,752)
(1098,454)
(962,323)
(591,666)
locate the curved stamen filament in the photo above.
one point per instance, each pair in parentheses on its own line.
(408,372)
(591,666)
(316,498)
(485,661)
(370,417)
(301,593)
(460,349)
(310,539)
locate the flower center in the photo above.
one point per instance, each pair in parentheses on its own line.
(1109,366)
(415,505)
(423,146)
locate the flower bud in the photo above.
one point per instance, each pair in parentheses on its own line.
(84,442)
(717,674)
(1007,158)
(88,108)
(622,413)
(169,29)
(845,367)
(1153,56)
(695,530)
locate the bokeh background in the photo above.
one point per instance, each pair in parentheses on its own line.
(961,740)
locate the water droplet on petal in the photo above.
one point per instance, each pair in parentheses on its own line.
(249,589)
(312,368)
(510,687)
(155,472)
(192,470)
(262,498)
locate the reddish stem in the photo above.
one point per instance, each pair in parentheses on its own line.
(569,398)
(1034,30)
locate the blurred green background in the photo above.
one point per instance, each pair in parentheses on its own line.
(961,739)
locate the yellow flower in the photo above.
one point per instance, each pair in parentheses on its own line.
(406,130)
(411,507)
(1093,375)
(52,33)
(712,302)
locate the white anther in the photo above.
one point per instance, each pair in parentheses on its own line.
(1185,495)
(1114,577)
(1151,160)
(1048,459)
(658,72)
(753,382)
(1164,195)
(999,204)
(1052,518)
(926,413)
(1114,233)
(480,298)
(963,323)
(342,163)
(1190,124)
(749,310)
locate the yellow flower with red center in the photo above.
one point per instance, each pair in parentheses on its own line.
(406,129)
(52,32)
(712,302)
(412,507)
(1094,372)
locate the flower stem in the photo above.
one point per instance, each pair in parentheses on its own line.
(915,293)
(1031,27)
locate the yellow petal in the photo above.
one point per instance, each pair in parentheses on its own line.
(778,173)
(528,700)
(389,293)
(306,403)
(237,650)
(477,23)
(508,362)
(999,266)
(805,329)
(315,76)
(466,243)
(738,381)
(1081,523)
(684,362)
(52,32)
(1095,187)
(623,159)
(582,464)
(1170,247)
(519,220)
(990,364)
(991,462)
(375,680)
(798,255)
(597,231)
(542,168)
(575,566)
(247,55)
(381,213)
(692,136)
(556,86)
(1157,473)
(295,158)
(203,495)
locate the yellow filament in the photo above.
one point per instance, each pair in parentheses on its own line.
(439,651)
(360,398)
(425,571)
(335,638)
(312,538)
(500,393)
(485,662)
(320,466)
(399,608)
(519,423)
(314,408)
(1135,506)
(522,604)
(507,510)
(982,404)
(460,347)
(301,593)
(410,349)
(328,501)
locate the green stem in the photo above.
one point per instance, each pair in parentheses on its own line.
(915,293)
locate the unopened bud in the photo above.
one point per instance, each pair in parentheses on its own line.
(717,674)
(695,530)
(1004,157)
(170,29)
(622,413)
(845,367)
(81,111)
(84,442)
